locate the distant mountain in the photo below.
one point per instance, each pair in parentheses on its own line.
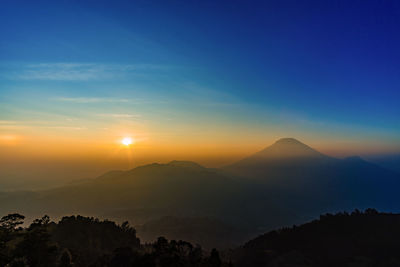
(178,188)
(390,162)
(286,158)
(285,148)
(285,162)
(286,183)
(292,170)
(356,239)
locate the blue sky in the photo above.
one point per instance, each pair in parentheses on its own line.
(321,71)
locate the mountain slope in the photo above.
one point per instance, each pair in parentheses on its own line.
(390,162)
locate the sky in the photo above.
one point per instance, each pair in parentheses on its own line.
(210,81)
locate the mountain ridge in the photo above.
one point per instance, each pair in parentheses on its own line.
(267,194)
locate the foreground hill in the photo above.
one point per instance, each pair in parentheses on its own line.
(356,239)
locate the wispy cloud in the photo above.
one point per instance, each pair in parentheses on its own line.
(63,71)
(18,125)
(77,71)
(121,115)
(85,100)
(10,125)
(66,127)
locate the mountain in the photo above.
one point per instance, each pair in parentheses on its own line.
(357,239)
(286,158)
(291,166)
(303,181)
(286,148)
(390,162)
(178,188)
(286,183)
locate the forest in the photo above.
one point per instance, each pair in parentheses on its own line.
(360,238)
(83,241)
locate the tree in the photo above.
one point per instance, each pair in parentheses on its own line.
(11,221)
(214,260)
(370,211)
(8,231)
(65,259)
(123,257)
(36,245)
(196,255)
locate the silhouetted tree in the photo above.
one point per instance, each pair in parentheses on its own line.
(65,259)
(8,231)
(196,255)
(214,259)
(36,245)
(366,238)
(370,211)
(11,221)
(88,238)
(123,257)
(81,241)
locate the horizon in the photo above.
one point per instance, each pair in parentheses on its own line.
(93,173)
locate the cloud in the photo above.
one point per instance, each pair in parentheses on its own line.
(11,125)
(66,127)
(77,71)
(63,71)
(121,115)
(17,125)
(85,100)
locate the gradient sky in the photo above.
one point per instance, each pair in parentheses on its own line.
(210,81)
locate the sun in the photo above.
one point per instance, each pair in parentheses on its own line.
(127,141)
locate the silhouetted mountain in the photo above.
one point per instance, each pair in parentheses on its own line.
(286,158)
(143,193)
(294,172)
(186,164)
(285,148)
(390,162)
(286,183)
(356,239)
